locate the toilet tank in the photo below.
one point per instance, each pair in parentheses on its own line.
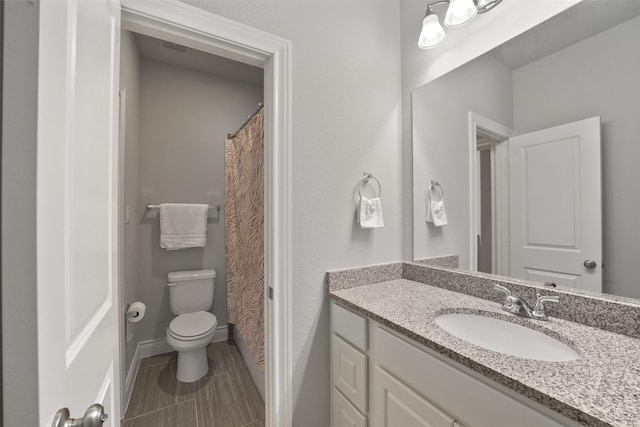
(191,291)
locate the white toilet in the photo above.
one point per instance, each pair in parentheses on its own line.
(190,297)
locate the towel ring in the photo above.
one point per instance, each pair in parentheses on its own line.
(366,177)
(434,187)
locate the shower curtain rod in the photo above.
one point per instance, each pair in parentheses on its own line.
(233,135)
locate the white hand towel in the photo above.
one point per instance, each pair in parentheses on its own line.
(436,213)
(370,213)
(183,226)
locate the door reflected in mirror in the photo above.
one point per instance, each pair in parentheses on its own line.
(535,144)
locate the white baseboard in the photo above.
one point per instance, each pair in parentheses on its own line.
(222,334)
(254,371)
(131,379)
(153,348)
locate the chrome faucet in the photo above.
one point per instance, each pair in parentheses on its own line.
(519,306)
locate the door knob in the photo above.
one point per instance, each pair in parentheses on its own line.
(94,417)
(590,264)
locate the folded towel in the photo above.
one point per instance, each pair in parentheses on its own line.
(370,213)
(183,226)
(436,213)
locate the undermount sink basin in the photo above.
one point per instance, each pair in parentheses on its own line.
(505,337)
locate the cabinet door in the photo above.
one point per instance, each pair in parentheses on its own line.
(396,404)
(350,372)
(344,413)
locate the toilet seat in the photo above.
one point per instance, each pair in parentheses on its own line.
(192,326)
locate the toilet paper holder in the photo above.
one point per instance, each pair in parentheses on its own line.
(135,311)
(132,314)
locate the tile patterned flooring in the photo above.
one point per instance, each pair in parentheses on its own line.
(225,397)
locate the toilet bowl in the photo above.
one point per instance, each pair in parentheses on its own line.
(189,334)
(190,298)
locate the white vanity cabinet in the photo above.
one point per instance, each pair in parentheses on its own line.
(404,384)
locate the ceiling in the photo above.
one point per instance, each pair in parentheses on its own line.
(577,23)
(173,54)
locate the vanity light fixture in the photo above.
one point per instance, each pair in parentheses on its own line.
(459,13)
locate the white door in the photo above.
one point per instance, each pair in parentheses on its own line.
(555,213)
(78,343)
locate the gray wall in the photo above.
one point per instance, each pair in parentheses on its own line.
(346,107)
(130,77)
(19,110)
(185,116)
(441,148)
(597,77)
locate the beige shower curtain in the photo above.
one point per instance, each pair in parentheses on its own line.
(244,225)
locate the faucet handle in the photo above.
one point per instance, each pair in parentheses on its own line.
(547,298)
(505,291)
(509,300)
(539,310)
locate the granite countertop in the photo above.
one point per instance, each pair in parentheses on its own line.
(602,388)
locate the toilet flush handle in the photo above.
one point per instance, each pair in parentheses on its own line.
(171,285)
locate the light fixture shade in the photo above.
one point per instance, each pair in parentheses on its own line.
(432,32)
(459,13)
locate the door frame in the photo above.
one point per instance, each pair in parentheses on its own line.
(125,392)
(501,195)
(196,28)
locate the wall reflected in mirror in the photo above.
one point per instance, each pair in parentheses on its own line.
(537,146)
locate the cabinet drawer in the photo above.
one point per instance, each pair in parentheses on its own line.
(349,374)
(344,413)
(350,326)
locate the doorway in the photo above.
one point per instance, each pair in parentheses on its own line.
(487,198)
(178,106)
(488,189)
(194,28)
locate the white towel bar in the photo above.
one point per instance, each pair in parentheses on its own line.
(150,206)
(366,177)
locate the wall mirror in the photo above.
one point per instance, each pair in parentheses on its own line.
(536,145)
